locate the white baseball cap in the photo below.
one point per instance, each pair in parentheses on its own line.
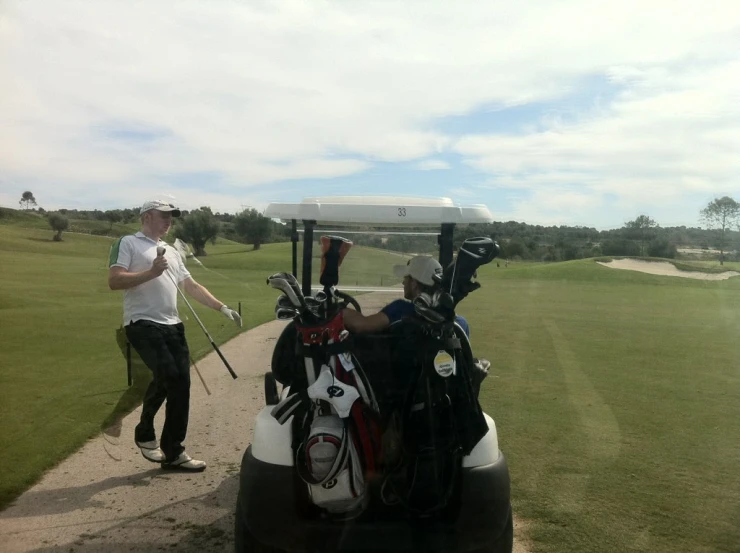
(160,205)
(421,268)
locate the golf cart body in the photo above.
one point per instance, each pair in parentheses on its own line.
(277,511)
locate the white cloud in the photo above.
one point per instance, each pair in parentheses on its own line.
(675,132)
(262,92)
(432,165)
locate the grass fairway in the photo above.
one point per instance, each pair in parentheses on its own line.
(616,394)
(617,399)
(62,374)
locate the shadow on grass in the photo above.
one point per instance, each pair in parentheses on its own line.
(44,240)
(132,397)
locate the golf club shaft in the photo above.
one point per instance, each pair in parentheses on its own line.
(200,376)
(221,355)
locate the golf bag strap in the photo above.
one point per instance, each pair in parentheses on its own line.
(364,423)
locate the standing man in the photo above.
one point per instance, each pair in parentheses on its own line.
(156,332)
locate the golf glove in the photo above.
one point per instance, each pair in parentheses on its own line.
(231,314)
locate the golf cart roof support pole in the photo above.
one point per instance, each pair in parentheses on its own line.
(307,253)
(445,244)
(294,239)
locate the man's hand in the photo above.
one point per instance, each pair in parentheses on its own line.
(231,314)
(159,266)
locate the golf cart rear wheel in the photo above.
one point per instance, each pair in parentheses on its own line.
(505,542)
(244,541)
(348,300)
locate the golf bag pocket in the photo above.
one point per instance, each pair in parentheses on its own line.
(329,464)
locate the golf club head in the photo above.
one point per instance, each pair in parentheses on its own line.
(160,251)
(285,314)
(290,281)
(284,301)
(423,307)
(278,282)
(314,306)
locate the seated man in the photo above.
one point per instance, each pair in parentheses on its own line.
(418,277)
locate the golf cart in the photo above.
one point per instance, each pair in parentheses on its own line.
(374,442)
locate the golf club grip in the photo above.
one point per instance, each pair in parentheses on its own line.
(221,355)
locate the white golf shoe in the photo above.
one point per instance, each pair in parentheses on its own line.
(185,462)
(151,451)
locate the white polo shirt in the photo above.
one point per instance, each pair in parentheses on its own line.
(155,300)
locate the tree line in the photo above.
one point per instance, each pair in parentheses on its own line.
(642,236)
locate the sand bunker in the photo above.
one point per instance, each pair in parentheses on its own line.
(664,268)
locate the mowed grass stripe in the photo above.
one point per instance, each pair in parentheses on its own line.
(655,356)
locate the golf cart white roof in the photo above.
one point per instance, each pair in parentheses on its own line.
(380,210)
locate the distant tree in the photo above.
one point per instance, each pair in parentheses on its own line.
(514,248)
(58,223)
(641,229)
(721,215)
(571,251)
(252,227)
(27,200)
(620,247)
(661,247)
(197,228)
(113,216)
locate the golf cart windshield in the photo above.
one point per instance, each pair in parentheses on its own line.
(391,213)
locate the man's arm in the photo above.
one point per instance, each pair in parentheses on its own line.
(121,279)
(359,323)
(201,294)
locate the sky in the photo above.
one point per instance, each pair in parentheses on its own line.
(552,112)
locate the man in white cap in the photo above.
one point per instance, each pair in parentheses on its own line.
(418,277)
(154,329)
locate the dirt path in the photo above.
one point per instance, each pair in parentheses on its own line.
(108,498)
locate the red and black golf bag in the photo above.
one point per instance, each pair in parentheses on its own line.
(335,414)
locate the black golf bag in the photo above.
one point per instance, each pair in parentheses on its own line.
(440,419)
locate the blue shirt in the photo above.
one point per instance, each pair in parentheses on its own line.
(398,309)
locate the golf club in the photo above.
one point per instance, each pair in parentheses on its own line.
(160,252)
(286,313)
(280,282)
(200,376)
(284,301)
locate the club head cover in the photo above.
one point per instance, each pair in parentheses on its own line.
(333,250)
(457,276)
